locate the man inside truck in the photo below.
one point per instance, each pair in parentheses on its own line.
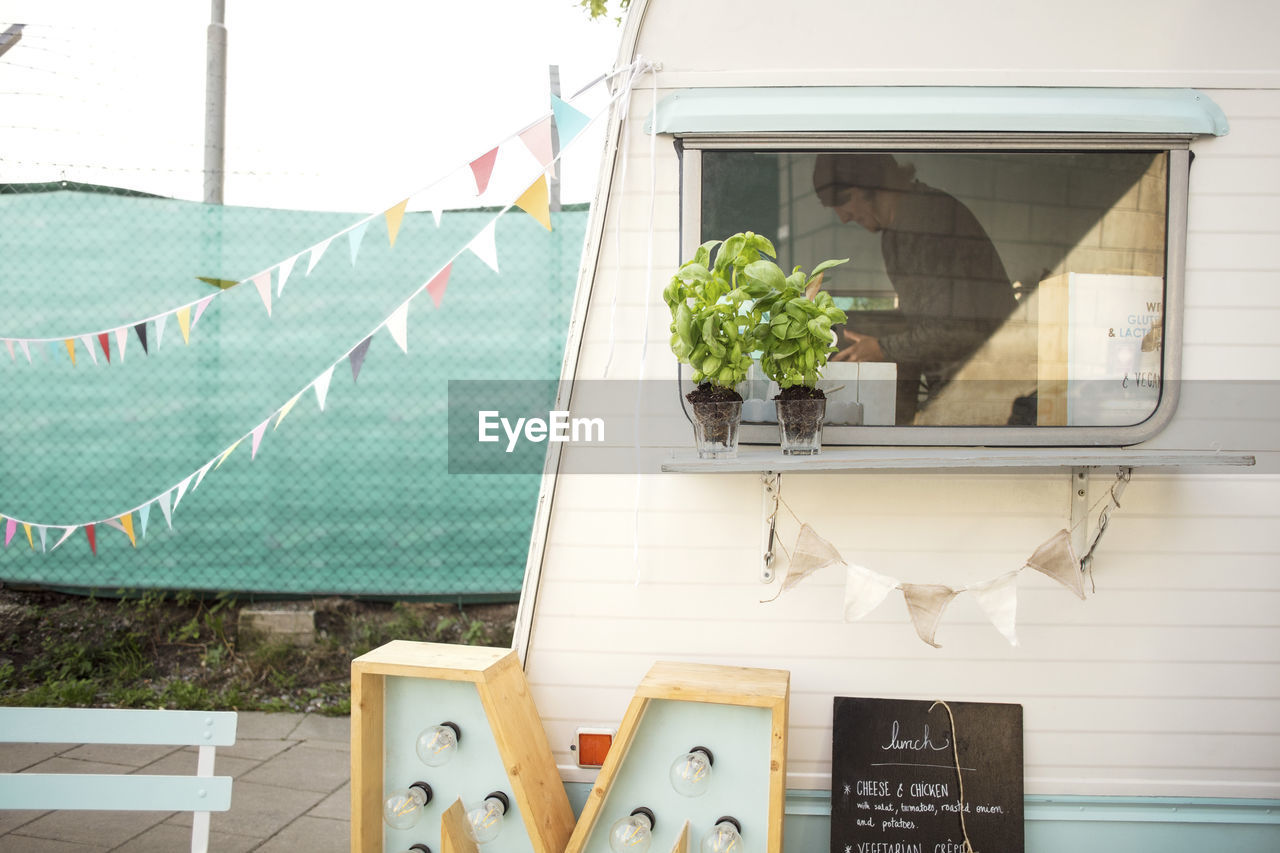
(952,288)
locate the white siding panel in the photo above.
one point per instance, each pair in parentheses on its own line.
(1166,680)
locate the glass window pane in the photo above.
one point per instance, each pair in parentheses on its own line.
(985,288)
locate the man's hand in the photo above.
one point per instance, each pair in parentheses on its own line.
(859,348)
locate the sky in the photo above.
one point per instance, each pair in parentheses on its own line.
(330,106)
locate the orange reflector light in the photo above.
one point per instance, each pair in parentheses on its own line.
(592,746)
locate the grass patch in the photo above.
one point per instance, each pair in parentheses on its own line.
(180,651)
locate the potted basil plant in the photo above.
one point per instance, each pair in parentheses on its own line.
(714,316)
(795,342)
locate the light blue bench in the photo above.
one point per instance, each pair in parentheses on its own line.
(201,794)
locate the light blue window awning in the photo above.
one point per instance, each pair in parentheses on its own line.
(958,109)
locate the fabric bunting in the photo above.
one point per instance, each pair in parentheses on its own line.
(321,386)
(998,599)
(258,432)
(160,321)
(356,357)
(811,552)
(204,304)
(10,528)
(864,590)
(184,323)
(925,603)
(538,140)
(485,247)
(355,237)
(181,489)
(66,534)
(71,350)
(262,281)
(1056,559)
(141,331)
(93,538)
(286,408)
(394,217)
(104,341)
(126,522)
(437,285)
(26,528)
(84,339)
(317,252)
(122,338)
(398,325)
(482,168)
(144,515)
(163,502)
(570,121)
(286,267)
(534,201)
(223,458)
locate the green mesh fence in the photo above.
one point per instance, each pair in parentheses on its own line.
(355,499)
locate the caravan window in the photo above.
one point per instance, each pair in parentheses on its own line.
(1014,290)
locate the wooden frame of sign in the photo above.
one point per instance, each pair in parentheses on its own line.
(513,724)
(744,687)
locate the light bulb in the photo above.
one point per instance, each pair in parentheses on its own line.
(403,809)
(724,837)
(485,820)
(437,744)
(633,832)
(691,772)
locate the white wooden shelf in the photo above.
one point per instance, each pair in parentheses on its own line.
(765,459)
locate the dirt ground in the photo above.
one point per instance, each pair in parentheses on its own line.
(161,650)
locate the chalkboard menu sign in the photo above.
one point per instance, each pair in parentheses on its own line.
(905,779)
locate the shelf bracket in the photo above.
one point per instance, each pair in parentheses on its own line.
(1079,524)
(772,492)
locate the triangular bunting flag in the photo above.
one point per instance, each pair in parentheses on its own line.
(66,534)
(398,325)
(437,285)
(10,527)
(163,501)
(26,528)
(810,553)
(144,515)
(160,321)
(394,217)
(317,252)
(44,543)
(26,350)
(115,524)
(257,438)
(356,357)
(998,598)
(863,591)
(184,322)
(925,603)
(141,331)
(179,492)
(200,308)
(92,535)
(569,120)
(71,350)
(8,344)
(1057,559)
(534,201)
(104,341)
(286,267)
(226,453)
(286,409)
(485,247)
(122,338)
(538,140)
(262,281)
(200,475)
(355,237)
(126,521)
(322,386)
(84,339)
(482,168)
(437,214)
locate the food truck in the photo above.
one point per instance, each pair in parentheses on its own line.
(1112,408)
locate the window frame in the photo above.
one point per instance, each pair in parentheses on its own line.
(689,148)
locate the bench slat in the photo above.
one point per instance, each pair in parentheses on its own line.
(117,725)
(81,791)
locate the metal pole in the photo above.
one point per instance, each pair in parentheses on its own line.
(10,37)
(215,103)
(554,201)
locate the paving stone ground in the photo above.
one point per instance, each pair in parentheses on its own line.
(291,792)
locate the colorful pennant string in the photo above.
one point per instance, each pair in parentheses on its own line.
(483,245)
